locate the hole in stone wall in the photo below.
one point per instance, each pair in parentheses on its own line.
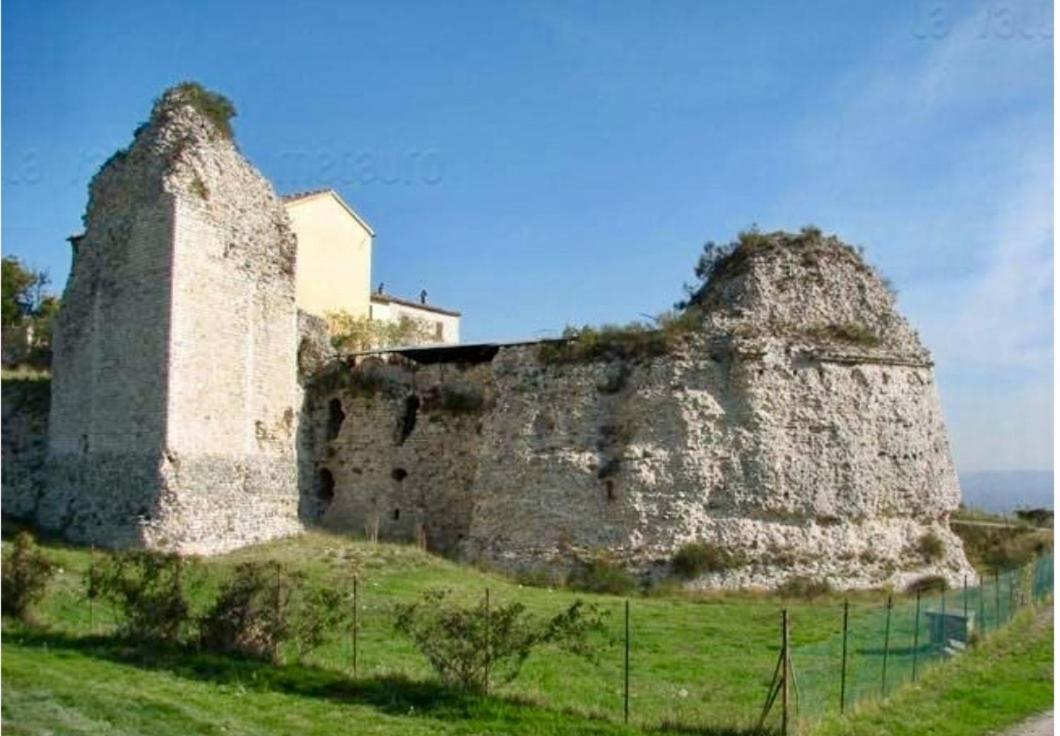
(326,485)
(399,474)
(397,514)
(336,416)
(408,418)
(609,486)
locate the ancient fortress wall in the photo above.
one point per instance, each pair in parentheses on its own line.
(802,448)
(175,402)
(789,418)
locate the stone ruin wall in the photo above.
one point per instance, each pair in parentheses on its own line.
(631,461)
(175,404)
(797,425)
(803,455)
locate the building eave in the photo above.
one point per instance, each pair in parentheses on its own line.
(291,200)
(388,298)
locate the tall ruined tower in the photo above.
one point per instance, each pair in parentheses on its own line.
(174,400)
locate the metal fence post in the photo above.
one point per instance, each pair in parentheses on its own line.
(916,633)
(982,605)
(625,692)
(964,600)
(486,677)
(843,666)
(787,673)
(886,646)
(353,632)
(942,617)
(997,599)
(91,590)
(1011,594)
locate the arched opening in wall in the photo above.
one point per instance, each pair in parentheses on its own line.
(408,418)
(397,514)
(399,474)
(336,416)
(325,486)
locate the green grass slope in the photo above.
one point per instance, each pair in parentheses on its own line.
(995,685)
(698,663)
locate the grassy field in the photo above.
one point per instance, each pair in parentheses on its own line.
(995,685)
(699,665)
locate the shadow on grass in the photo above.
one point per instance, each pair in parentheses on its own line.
(392,695)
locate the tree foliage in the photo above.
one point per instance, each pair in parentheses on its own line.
(26,573)
(27,305)
(353,334)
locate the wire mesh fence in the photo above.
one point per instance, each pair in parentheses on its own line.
(689,663)
(875,648)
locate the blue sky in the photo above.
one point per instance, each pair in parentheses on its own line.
(542,163)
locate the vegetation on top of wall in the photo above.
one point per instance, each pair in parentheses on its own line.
(457,397)
(634,341)
(214,106)
(720,261)
(849,332)
(351,334)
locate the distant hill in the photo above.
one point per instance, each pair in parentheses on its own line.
(1005,490)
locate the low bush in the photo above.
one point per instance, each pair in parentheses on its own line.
(931,547)
(632,342)
(461,398)
(697,558)
(149,591)
(1001,548)
(215,107)
(26,574)
(848,332)
(262,607)
(802,586)
(601,576)
(473,646)
(928,584)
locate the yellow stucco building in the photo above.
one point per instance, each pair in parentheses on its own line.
(334,268)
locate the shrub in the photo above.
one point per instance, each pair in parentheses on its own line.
(928,584)
(1000,548)
(602,576)
(263,606)
(461,398)
(472,646)
(849,332)
(696,558)
(148,589)
(215,107)
(1036,517)
(931,547)
(26,574)
(802,586)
